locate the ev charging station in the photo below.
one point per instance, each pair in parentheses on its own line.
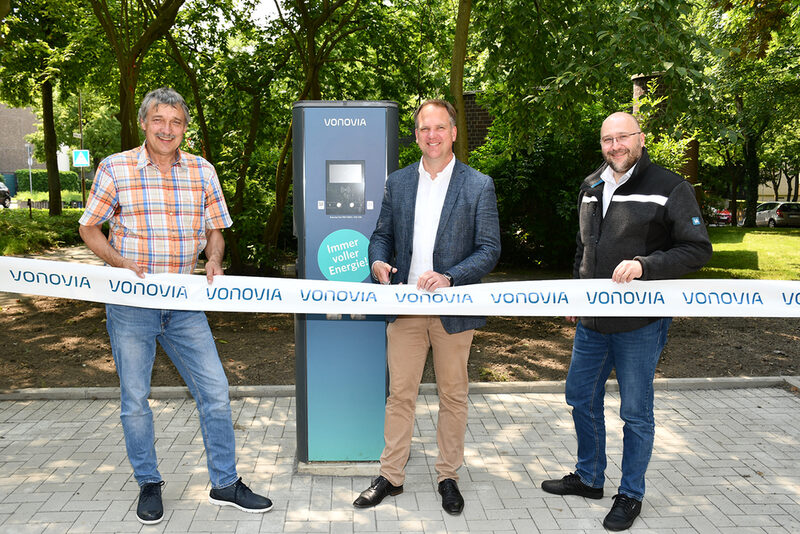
(343,152)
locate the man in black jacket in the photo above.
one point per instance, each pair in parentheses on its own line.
(637,221)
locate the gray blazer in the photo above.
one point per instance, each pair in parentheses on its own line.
(467,243)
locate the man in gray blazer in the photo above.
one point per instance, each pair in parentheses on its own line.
(438,227)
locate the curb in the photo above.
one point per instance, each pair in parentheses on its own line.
(475,388)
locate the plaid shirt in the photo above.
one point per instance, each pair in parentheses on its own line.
(159,222)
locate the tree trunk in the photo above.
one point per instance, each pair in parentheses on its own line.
(774,176)
(232,235)
(130,39)
(734,195)
(796,186)
(751,175)
(461,147)
(283,179)
(198,101)
(129,135)
(785,170)
(51,149)
(5,9)
(751,179)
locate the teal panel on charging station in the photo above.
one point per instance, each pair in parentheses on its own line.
(346,389)
(343,152)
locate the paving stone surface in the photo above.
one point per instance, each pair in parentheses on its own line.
(725,461)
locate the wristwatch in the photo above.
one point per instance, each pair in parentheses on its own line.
(449,279)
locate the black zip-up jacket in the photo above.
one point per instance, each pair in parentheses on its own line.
(653,218)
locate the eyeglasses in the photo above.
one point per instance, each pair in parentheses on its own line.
(621,138)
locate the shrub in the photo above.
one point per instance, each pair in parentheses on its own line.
(69,180)
(21,235)
(537,192)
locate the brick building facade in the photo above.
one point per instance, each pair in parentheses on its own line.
(478,121)
(15,124)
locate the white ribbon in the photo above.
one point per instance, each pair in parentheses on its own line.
(661,298)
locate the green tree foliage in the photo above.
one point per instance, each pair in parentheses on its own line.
(101,130)
(754,82)
(131,29)
(537,189)
(548,60)
(34,56)
(457,77)
(548,72)
(552,71)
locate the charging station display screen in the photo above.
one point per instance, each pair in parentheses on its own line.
(344,188)
(346,173)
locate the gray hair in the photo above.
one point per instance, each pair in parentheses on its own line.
(163,95)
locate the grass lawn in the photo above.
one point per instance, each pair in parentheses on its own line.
(22,196)
(754,253)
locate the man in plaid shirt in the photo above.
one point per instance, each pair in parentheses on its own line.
(164,207)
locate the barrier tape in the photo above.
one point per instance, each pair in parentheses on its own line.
(661,298)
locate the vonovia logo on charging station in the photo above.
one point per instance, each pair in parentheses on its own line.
(342,256)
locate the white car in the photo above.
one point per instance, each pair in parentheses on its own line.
(774,214)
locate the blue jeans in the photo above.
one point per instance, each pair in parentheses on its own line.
(187,340)
(634,355)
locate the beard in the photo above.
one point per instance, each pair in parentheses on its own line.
(630,160)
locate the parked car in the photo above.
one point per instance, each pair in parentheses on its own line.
(722,216)
(774,214)
(5,195)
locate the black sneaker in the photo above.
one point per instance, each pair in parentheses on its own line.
(571,485)
(240,496)
(624,510)
(150,510)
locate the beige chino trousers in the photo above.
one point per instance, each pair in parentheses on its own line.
(408,340)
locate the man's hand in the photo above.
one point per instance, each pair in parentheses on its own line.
(431,281)
(626,271)
(97,243)
(215,251)
(383,272)
(571,319)
(213,268)
(133,266)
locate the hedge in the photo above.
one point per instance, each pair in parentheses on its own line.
(70,180)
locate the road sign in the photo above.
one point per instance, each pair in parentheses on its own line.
(80,158)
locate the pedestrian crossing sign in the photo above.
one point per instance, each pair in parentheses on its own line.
(80,158)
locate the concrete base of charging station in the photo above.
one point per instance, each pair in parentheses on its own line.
(339,469)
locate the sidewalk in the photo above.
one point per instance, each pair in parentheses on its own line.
(725,460)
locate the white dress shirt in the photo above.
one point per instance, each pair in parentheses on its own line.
(611,184)
(427,212)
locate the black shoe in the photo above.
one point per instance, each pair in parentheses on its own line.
(374,494)
(452,501)
(150,510)
(571,485)
(239,496)
(624,510)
